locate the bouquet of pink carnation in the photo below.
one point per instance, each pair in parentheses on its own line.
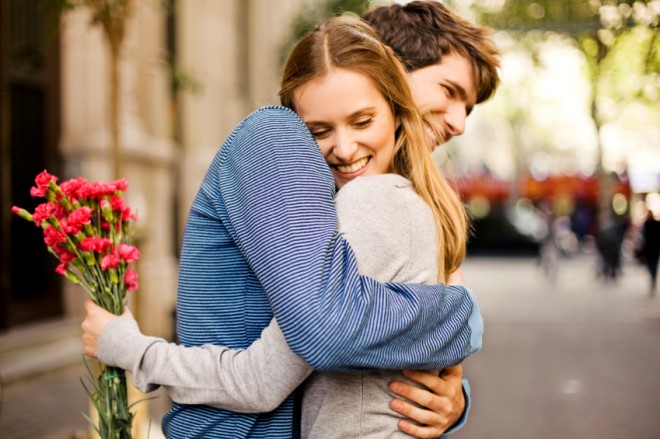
(86,226)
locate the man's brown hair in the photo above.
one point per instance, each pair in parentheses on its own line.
(422,32)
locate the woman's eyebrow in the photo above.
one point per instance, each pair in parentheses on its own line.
(361,111)
(353,115)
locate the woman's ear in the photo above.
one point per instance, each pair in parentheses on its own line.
(397,124)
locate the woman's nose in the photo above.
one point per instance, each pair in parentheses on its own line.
(345,147)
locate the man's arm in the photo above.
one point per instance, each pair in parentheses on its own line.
(276,193)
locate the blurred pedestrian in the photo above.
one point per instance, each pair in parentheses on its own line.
(548,249)
(609,243)
(649,253)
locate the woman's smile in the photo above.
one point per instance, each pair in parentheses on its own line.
(351,167)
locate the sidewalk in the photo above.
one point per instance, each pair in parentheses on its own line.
(50,406)
(510,290)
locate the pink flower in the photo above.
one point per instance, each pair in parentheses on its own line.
(70,187)
(38,191)
(131,280)
(99,189)
(127,214)
(89,190)
(95,244)
(53,236)
(80,216)
(76,219)
(42,181)
(61,269)
(65,255)
(119,185)
(128,253)
(69,229)
(117,202)
(110,261)
(44,178)
(43,212)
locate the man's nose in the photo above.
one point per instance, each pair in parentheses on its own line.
(455,120)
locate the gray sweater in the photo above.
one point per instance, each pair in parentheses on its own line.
(392,232)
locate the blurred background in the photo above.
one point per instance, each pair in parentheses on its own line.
(560,172)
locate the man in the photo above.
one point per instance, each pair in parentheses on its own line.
(452,63)
(453,67)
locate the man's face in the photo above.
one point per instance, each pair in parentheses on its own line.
(445,94)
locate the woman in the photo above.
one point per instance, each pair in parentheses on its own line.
(353,95)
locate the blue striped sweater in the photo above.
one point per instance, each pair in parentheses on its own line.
(261,240)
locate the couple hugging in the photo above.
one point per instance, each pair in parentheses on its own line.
(305,290)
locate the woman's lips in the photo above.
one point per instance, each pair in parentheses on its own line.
(353,167)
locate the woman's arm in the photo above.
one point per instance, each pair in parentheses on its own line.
(272,189)
(254,380)
(244,381)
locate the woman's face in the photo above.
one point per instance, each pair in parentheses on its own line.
(351,121)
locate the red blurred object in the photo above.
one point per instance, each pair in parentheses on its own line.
(495,190)
(581,189)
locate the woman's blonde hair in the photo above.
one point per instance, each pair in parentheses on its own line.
(349,43)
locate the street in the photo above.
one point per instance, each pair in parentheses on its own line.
(576,359)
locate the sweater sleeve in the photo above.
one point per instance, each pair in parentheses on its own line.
(254,380)
(276,193)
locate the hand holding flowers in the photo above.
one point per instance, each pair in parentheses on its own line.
(87,227)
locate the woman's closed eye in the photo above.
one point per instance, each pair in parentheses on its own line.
(363,123)
(320,133)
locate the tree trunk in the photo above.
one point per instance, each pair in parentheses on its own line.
(115,106)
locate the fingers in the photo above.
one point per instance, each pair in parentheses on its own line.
(420,414)
(417,431)
(431,424)
(446,384)
(434,407)
(415,394)
(441,401)
(95,320)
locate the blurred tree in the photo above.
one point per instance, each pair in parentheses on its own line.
(112,16)
(317,12)
(619,41)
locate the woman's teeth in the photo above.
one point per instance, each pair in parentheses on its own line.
(353,167)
